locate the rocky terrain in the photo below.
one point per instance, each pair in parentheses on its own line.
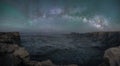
(107,39)
(11,54)
(85,49)
(112,57)
(10,37)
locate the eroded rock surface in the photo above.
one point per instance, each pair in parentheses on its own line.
(112,57)
(18,56)
(13,54)
(76,48)
(10,37)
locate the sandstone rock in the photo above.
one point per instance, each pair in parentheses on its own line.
(21,53)
(47,63)
(8,48)
(43,63)
(112,57)
(12,55)
(33,63)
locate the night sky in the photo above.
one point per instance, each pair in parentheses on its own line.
(59,16)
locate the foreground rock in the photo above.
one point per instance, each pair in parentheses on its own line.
(13,55)
(112,57)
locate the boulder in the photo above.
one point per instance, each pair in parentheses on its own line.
(11,54)
(112,57)
(22,54)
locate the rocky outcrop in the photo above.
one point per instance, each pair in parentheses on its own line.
(10,37)
(13,55)
(112,57)
(107,39)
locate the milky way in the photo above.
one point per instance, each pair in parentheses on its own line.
(59,15)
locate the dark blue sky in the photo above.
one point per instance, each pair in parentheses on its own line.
(59,15)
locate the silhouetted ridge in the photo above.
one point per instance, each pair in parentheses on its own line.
(108,39)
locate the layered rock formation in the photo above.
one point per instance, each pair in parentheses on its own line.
(107,39)
(83,49)
(10,37)
(112,57)
(11,54)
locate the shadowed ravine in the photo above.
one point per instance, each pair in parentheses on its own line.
(82,49)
